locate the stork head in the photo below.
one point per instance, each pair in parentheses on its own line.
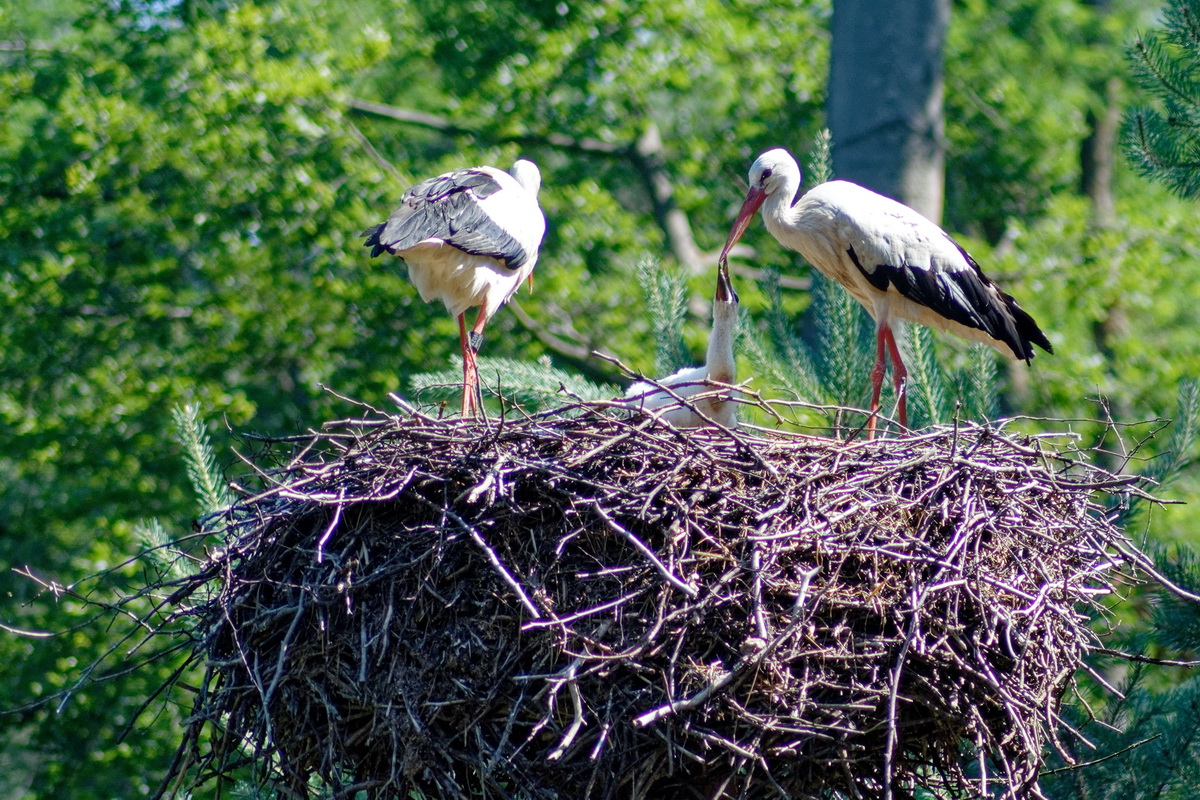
(771,173)
(774,171)
(528,175)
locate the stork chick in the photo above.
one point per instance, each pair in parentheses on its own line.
(719,366)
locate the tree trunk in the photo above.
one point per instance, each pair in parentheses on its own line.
(1099,153)
(885,98)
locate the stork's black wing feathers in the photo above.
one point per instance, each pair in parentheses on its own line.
(966,296)
(447,208)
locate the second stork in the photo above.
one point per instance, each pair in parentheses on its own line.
(892,260)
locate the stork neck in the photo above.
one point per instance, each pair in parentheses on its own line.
(779,207)
(720,359)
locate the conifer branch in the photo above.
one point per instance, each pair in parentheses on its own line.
(201,461)
(978,386)
(1156,69)
(535,386)
(1183,27)
(926,382)
(820,165)
(666,300)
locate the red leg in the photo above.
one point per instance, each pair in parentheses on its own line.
(474,342)
(899,377)
(470,369)
(877,379)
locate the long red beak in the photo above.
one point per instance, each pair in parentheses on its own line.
(754,199)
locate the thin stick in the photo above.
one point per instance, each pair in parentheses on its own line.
(644,549)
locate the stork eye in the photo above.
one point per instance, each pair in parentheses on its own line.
(766,173)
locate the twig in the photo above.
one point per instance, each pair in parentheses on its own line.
(641,547)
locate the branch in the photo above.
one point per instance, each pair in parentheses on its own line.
(421,119)
(579,355)
(647,156)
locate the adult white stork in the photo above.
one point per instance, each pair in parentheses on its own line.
(469,238)
(891,259)
(719,365)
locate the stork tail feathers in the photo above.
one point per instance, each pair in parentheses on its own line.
(1028,331)
(373,235)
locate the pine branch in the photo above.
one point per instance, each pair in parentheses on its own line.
(1183,435)
(201,461)
(770,367)
(1177,455)
(926,382)
(977,383)
(789,349)
(1155,69)
(666,300)
(1183,27)
(156,547)
(533,386)
(1164,143)
(843,362)
(820,164)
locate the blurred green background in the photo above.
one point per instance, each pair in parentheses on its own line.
(182,185)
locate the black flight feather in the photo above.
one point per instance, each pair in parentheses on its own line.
(965,296)
(447,208)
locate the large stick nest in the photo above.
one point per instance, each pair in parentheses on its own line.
(574,606)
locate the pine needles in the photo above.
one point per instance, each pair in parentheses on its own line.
(536,386)
(198,456)
(1164,142)
(666,302)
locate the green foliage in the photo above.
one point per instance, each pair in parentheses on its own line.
(666,302)
(211,491)
(1182,439)
(1146,742)
(778,356)
(1164,142)
(181,188)
(978,384)
(927,401)
(1015,131)
(157,547)
(844,351)
(536,386)
(820,164)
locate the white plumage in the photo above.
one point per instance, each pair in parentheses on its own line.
(719,365)
(894,261)
(469,238)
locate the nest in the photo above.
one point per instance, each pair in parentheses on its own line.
(578,606)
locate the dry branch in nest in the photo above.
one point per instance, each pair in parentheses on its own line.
(574,605)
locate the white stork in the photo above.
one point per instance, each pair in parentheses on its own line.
(719,365)
(469,238)
(891,259)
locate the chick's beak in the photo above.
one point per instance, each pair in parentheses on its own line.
(725,292)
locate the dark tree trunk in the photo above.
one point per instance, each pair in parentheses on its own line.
(885,98)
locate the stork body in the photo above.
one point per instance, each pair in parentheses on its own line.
(719,365)
(892,260)
(469,238)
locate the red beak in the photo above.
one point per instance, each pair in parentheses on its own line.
(754,199)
